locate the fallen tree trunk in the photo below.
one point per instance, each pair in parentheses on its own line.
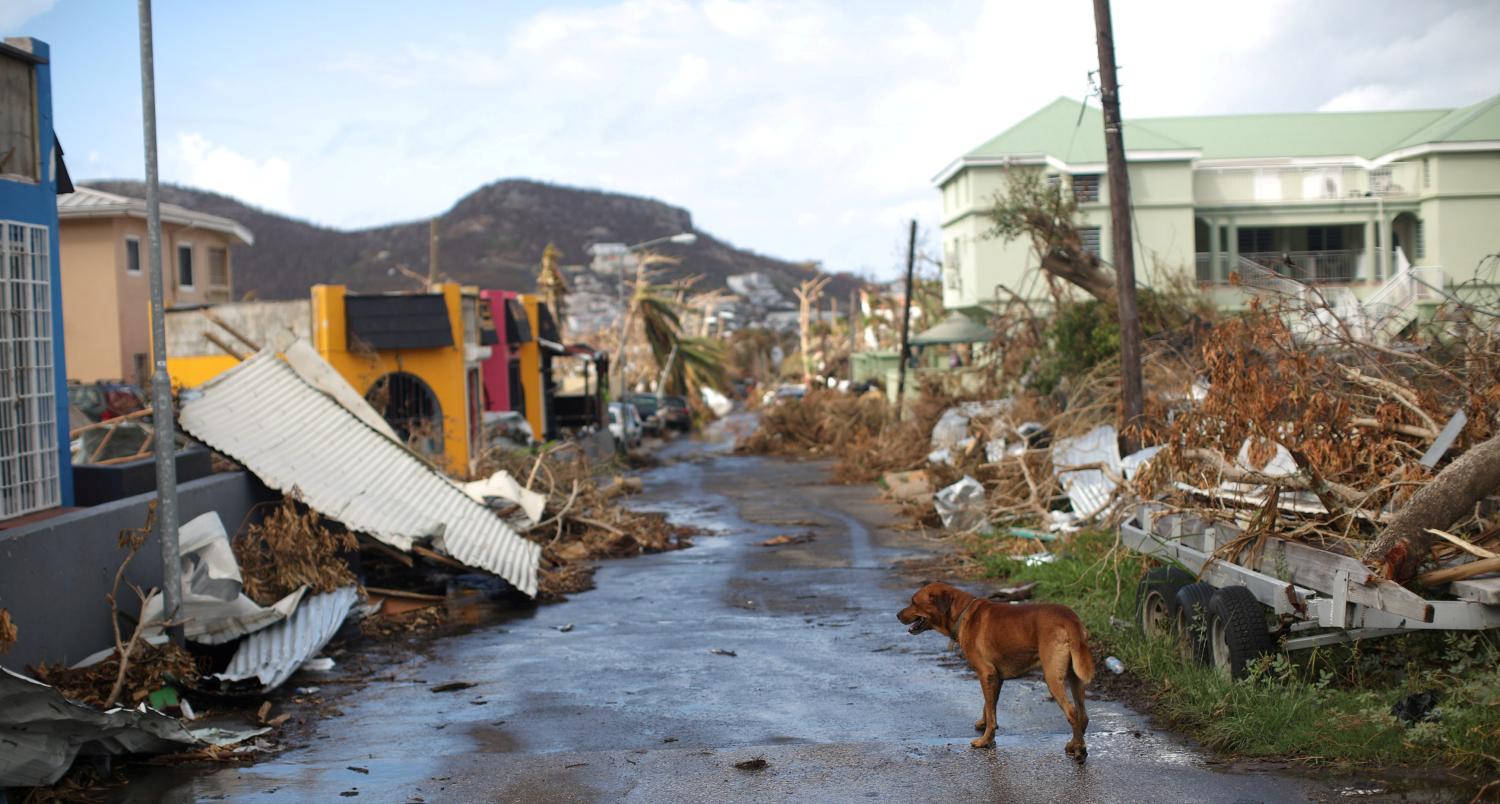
(1404,544)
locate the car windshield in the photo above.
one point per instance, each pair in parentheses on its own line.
(674,402)
(645,403)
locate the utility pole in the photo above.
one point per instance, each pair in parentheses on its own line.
(1119,211)
(854,314)
(164,437)
(911,264)
(432,253)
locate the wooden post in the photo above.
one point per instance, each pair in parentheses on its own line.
(854,313)
(911,264)
(432,253)
(1120,218)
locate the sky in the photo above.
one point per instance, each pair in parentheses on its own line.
(801,129)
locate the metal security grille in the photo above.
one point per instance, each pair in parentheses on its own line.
(28,419)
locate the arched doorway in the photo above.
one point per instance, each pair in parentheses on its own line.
(411,408)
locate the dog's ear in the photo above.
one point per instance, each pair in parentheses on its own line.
(942,599)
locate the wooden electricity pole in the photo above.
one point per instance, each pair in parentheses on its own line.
(1119,212)
(432,253)
(911,263)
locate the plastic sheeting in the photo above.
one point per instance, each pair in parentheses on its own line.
(41,732)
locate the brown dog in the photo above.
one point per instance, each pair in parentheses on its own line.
(1002,641)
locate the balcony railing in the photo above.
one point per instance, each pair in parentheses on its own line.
(1308,267)
(1293,184)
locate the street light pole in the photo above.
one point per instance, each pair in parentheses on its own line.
(164,435)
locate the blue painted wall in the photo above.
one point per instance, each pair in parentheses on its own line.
(36,203)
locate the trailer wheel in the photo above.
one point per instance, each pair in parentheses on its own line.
(1237,631)
(1156,600)
(1190,622)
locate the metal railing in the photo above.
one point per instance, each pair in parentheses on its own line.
(1312,267)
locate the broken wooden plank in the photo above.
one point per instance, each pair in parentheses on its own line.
(1478,590)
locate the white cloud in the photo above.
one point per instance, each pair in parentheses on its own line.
(800,128)
(1372,97)
(15,13)
(266,183)
(691,77)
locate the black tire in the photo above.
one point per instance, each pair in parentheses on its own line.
(1237,631)
(1190,623)
(1156,600)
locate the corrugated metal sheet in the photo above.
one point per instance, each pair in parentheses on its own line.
(1089,490)
(41,732)
(299,440)
(273,654)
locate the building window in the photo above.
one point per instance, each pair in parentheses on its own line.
(218,268)
(185,265)
(1054,181)
(1267,185)
(1086,188)
(142,373)
(1324,238)
(18,124)
(133,256)
(29,457)
(1382,182)
(1254,240)
(1090,237)
(1420,235)
(1427,172)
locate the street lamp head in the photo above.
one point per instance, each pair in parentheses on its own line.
(685,238)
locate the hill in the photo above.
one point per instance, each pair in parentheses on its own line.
(493,237)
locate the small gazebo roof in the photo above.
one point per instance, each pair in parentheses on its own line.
(955,328)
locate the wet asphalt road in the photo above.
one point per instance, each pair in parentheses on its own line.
(631,704)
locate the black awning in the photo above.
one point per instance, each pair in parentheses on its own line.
(517,324)
(414,321)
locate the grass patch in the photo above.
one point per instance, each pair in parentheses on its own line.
(1328,705)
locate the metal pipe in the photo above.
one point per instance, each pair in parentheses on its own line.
(165,440)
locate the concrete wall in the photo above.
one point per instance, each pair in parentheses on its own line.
(55,574)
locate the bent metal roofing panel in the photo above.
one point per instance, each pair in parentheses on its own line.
(296,439)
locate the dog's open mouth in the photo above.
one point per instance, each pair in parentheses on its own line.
(918,626)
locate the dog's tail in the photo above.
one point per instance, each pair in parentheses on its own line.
(1083,659)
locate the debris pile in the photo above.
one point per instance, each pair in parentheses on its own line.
(1374,441)
(290,548)
(582,519)
(1351,445)
(150,668)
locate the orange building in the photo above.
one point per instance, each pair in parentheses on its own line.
(106,292)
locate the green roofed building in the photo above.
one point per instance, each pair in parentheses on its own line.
(1346,199)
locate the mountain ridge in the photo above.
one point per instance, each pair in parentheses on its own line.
(492,237)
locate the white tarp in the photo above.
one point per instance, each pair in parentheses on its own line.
(296,438)
(215,609)
(503,485)
(41,732)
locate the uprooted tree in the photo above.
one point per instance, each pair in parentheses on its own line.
(1046,214)
(1405,543)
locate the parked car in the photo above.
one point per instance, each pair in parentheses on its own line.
(649,406)
(675,413)
(625,423)
(783,393)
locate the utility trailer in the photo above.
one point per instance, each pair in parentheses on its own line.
(1221,612)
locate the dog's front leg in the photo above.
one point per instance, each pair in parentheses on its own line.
(989,682)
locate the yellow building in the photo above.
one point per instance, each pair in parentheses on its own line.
(414,356)
(106,294)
